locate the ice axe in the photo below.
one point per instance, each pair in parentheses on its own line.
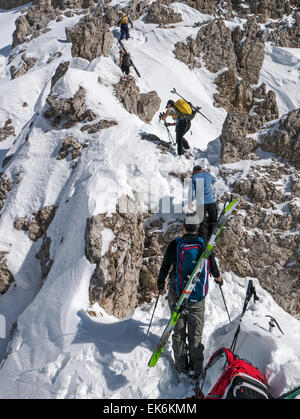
(195,108)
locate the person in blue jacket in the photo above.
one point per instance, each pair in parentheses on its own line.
(179,261)
(202,192)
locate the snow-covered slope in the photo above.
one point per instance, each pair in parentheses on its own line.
(58,350)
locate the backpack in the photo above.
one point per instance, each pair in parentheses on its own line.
(126,61)
(239,380)
(188,254)
(185,109)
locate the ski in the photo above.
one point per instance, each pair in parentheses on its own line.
(196,274)
(136,70)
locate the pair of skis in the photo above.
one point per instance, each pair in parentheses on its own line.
(195,276)
(124,49)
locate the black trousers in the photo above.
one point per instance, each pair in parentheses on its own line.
(182,127)
(210,220)
(125,69)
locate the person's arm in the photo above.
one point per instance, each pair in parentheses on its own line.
(214,269)
(165,266)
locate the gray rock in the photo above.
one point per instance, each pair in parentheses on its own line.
(90,38)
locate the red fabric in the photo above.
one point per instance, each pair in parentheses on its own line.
(235,367)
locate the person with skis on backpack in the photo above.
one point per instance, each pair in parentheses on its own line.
(125,61)
(181,256)
(125,19)
(182,112)
(202,191)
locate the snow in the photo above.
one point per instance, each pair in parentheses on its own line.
(60,349)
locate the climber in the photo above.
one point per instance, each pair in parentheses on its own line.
(183,114)
(125,61)
(181,255)
(202,192)
(125,19)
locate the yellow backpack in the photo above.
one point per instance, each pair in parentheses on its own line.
(183,107)
(185,110)
(124,19)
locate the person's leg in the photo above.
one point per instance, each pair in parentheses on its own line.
(123,34)
(179,345)
(195,321)
(180,127)
(212,211)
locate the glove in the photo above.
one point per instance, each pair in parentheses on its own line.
(160,288)
(219,282)
(167,124)
(161,115)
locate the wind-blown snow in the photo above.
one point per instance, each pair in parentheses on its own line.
(58,349)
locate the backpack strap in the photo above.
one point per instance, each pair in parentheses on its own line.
(217,355)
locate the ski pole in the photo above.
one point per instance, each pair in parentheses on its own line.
(197,108)
(169,134)
(250,291)
(153,313)
(224,302)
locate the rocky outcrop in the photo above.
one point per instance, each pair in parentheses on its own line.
(34,22)
(68,112)
(26,64)
(204,6)
(7,130)
(6,277)
(115,244)
(235,143)
(90,38)
(264,244)
(69,145)
(144,105)
(162,15)
(93,128)
(44,256)
(213,45)
(250,50)
(284,139)
(6,184)
(38,224)
(157,239)
(283,34)
(241,50)
(11,4)
(59,72)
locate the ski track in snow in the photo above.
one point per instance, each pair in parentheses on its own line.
(58,350)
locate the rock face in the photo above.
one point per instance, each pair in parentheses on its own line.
(235,144)
(264,244)
(204,6)
(155,245)
(144,105)
(26,64)
(284,140)
(90,38)
(115,280)
(6,277)
(7,130)
(11,4)
(162,15)
(70,111)
(38,224)
(34,23)
(5,186)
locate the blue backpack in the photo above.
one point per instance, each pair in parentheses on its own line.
(188,254)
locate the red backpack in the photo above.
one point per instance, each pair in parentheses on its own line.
(239,380)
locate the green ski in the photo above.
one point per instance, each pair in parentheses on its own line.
(192,282)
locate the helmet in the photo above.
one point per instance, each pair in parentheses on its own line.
(170,102)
